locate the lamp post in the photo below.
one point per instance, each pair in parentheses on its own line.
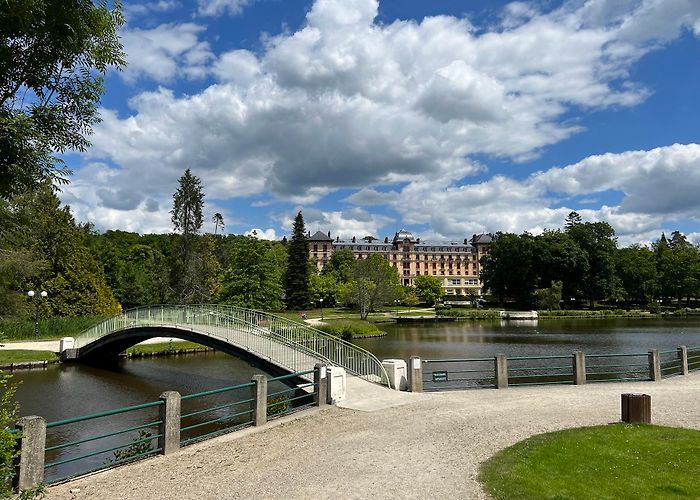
(396,303)
(321,301)
(42,295)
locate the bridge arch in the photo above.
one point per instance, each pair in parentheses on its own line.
(274,343)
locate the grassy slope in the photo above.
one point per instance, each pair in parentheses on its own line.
(606,462)
(19,356)
(53,328)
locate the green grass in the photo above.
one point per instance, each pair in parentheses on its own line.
(20,356)
(599,313)
(350,328)
(52,328)
(468,313)
(164,347)
(605,462)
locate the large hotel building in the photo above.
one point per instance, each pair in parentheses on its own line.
(456,264)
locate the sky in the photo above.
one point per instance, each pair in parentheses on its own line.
(443,117)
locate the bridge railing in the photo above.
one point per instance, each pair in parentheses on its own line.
(256,330)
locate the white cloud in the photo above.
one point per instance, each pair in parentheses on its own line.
(262,234)
(165,52)
(342,223)
(132,10)
(220,7)
(345,102)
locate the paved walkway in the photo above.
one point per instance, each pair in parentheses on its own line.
(53,345)
(425,446)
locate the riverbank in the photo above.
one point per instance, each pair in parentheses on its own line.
(448,434)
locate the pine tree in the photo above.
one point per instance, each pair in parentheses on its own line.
(296,278)
(188,202)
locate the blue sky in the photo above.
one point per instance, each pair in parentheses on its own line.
(446,118)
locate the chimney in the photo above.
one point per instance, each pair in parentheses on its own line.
(329,234)
(353,239)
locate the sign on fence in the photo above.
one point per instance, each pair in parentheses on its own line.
(440,376)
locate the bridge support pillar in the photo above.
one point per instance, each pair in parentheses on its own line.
(415,374)
(259,397)
(683,358)
(169,428)
(320,384)
(501,371)
(579,368)
(654,365)
(29,466)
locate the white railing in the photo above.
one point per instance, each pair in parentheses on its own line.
(293,345)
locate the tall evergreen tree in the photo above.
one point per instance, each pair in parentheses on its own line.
(188,203)
(296,278)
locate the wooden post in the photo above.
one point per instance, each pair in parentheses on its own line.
(683,358)
(636,408)
(654,365)
(501,371)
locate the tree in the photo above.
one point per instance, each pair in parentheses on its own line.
(508,269)
(218,220)
(678,267)
(53,58)
(324,287)
(572,220)
(559,258)
(253,278)
(296,279)
(428,287)
(597,239)
(375,283)
(549,298)
(410,299)
(635,266)
(188,202)
(341,265)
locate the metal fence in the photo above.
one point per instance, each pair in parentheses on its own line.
(296,346)
(121,435)
(478,373)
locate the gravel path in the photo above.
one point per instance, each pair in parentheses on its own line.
(429,447)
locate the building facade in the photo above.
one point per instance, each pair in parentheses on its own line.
(456,264)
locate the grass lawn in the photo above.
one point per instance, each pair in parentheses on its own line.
(162,347)
(19,356)
(605,462)
(350,328)
(52,328)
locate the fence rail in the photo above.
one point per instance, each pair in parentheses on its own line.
(295,346)
(89,443)
(477,373)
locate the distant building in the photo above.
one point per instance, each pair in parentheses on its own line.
(455,263)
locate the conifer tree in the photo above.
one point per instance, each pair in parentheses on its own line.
(296,278)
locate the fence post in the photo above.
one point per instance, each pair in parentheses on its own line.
(501,371)
(415,374)
(579,368)
(169,427)
(654,365)
(320,384)
(683,358)
(258,393)
(29,466)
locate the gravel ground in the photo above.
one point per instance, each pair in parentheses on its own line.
(430,447)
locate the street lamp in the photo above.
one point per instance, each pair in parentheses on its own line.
(321,301)
(43,295)
(396,302)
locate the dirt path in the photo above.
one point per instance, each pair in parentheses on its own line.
(429,447)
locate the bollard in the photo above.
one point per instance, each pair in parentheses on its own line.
(258,393)
(683,358)
(320,384)
(29,466)
(501,371)
(654,365)
(169,427)
(636,408)
(415,374)
(579,368)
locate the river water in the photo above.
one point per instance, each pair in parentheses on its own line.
(64,391)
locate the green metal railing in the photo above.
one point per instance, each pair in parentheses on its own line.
(694,358)
(294,346)
(540,370)
(66,459)
(106,442)
(618,367)
(446,374)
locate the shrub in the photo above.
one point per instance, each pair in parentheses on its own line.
(347,329)
(277,405)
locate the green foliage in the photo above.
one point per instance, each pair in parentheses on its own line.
(410,299)
(508,269)
(53,55)
(549,298)
(348,329)
(141,444)
(296,277)
(611,461)
(597,240)
(253,278)
(429,288)
(277,405)
(324,286)
(468,313)
(51,328)
(635,266)
(340,266)
(36,493)
(8,416)
(8,356)
(375,283)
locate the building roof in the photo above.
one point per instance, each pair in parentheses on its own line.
(320,236)
(482,238)
(403,235)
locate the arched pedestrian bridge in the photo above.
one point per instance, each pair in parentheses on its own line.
(279,344)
